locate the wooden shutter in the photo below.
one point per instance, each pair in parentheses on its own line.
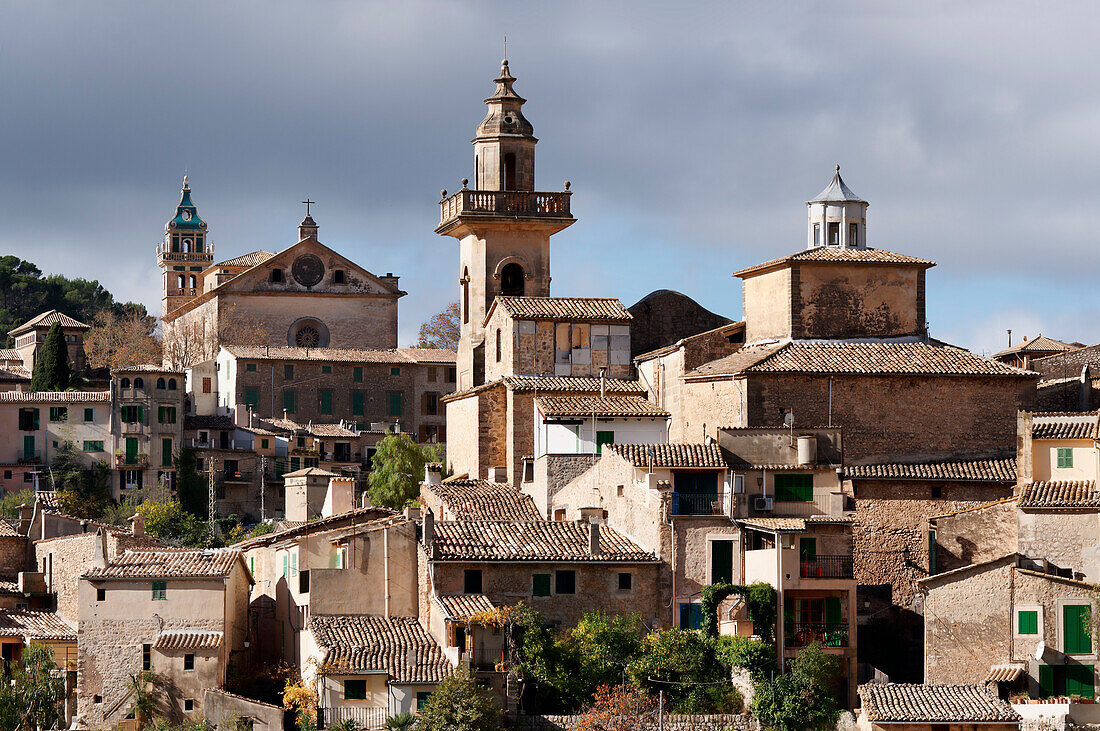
(1027,622)
(721,561)
(442,434)
(1046,681)
(1076,629)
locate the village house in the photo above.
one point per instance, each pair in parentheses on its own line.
(1023,354)
(459,498)
(949,707)
(182,614)
(31,336)
(147,429)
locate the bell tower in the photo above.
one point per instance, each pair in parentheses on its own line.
(503,225)
(183,255)
(837,217)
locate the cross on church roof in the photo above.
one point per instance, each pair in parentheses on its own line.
(308,203)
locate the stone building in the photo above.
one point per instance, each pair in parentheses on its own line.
(1024,354)
(182,614)
(146,428)
(949,707)
(31,335)
(461,499)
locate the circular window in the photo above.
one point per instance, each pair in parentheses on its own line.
(307,270)
(307,337)
(308,332)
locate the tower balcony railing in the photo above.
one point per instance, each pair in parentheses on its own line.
(165,253)
(505,202)
(185,292)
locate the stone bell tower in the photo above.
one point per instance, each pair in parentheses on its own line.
(503,225)
(185,252)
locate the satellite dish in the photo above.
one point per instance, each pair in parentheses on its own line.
(1040,650)
(788,419)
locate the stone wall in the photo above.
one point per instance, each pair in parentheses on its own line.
(975,535)
(13,555)
(730,722)
(1068,539)
(852,301)
(553,472)
(221,707)
(706,406)
(663,317)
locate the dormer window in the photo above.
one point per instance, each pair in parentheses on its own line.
(277,276)
(338,276)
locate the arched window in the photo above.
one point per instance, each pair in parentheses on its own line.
(180,280)
(498,345)
(191,282)
(465,296)
(139,383)
(510,171)
(171,384)
(187,246)
(160,384)
(125,383)
(511,280)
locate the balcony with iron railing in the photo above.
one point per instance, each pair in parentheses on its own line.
(701,503)
(30,455)
(365,717)
(487,659)
(236,476)
(165,253)
(829,634)
(513,203)
(826,567)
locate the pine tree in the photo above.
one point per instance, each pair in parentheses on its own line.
(51,370)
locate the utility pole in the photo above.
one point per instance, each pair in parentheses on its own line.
(211,496)
(263,474)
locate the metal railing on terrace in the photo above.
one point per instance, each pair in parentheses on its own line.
(514,202)
(701,503)
(829,634)
(365,717)
(826,567)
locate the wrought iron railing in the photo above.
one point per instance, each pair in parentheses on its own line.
(236,476)
(483,658)
(526,203)
(829,634)
(365,717)
(702,503)
(826,567)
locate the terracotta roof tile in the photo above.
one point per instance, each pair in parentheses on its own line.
(894,702)
(430,355)
(484,500)
(564,308)
(15,373)
(460,607)
(247,260)
(34,625)
(342,355)
(146,368)
(187,640)
(169,564)
(1065,426)
(781,525)
(312,472)
(553,384)
(10,354)
(1041,344)
(531,541)
(54,397)
(399,646)
(975,470)
(857,358)
(672,456)
(1004,673)
(208,421)
(47,319)
(1060,494)
(331,430)
(831,254)
(293,529)
(607,406)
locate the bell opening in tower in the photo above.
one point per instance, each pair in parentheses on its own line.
(511,280)
(510,171)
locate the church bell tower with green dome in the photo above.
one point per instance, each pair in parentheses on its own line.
(185,252)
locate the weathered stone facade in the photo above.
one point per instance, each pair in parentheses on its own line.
(664,317)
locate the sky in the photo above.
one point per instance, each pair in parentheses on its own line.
(692,135)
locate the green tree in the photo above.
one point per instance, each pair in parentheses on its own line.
(51,369)
(191,486)
(83,490)
(684,664)
(804,697)
(31,697)
(170,523)
(397,468)
(756,656)
(9,504)
(460,704)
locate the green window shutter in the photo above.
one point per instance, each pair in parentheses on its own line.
(794,488)
(357,404)
(288,401)
(832,610)
(294,564)
(1046,681)
(395,404)
(166,452)
(721,561)
(1027,622)
(141,414)
(357,374)
(160,590)
(34,419)
(131,450)
(691,616)
(251,398)
(1065,458)
(1080,680)
(602,438)
(807,549)
(1076,629)
(540,585)
(326,402)
(284,564)
(326,369)
(395,371)
(89,415)
(28,447)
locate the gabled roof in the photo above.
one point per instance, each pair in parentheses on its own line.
(974,470)
(365,644)
(894,357)
(312,472)
(1040,344)
(246,260)
(553,384)
(430,355)
(34,625)
(169,564)
(598,309)
(54,397)
(1065,426)
(671,456)
(1060,494)
(484,500)
(834,255)
(331,430)
(589,405)
(535,541)
(344,355)
(460,607)
(358,515)
(906,702)
(46,320)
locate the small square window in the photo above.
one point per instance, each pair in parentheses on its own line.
(188,704)
(288,371)
(355,690)
(326,369)
(189,661)
(263,444)
(101,595)
(626,581)
(540,585)
(565,582)
(937,492)
(471,581)
(1027,622)
(1065,458)
(7,474)
(160,590)
(338,276)
(89,414)
(250,367)
(97,699)
(395,371)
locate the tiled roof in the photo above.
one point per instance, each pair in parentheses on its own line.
(933,703)
(47,319)
(208,421)
(54,397)
(484,500)
(430,355)
(857,358)
(564,308)
(1004,673)
(531,541)
(975,470)
(293,529)
(1065,426)
(280,424)
(1041,344)
(247,260)
(460,607)
(671,455)
(34,625)
(839,256)
(146,368)
(399,646)
(187,640)
(312,472)
(342,355)
(1060,494)
(554,384)
(15,373)
(7,530)
(169,564)
(331,430)
(10,354)
(836,191)
(781,525)
(606,406)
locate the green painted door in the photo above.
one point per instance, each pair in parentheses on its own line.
(602,438)
(834,625)
(721,562)
(1079,681)
(807,549)
(28,447)
(131,450)
(1076,629)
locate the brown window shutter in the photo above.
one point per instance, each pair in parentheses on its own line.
(442,433)
(423,433)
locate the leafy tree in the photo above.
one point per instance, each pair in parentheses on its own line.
(442,330)
(300,698)
(51,370)
(191,487)
(32,695)
(460,704)
(617,708)
(804,697)
(397,468)
(683,663)
(756,656)
(9,504)
(123,337)
(170,523)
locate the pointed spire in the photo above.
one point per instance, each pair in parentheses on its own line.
(836,191)
(186,185)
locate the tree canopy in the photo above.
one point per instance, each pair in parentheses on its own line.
(460,704)
(397,468)
(442,330)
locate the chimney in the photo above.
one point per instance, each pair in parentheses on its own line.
(433,473)
(137,523)
(99,556)
(26,514)
(428,531)
(603,382)
(594,538)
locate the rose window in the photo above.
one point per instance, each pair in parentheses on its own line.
(307,337)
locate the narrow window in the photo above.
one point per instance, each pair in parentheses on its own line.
(338,276)
(171,384)
(853,234)
(288,372)
(146,657)
(326,401)
(834,233)
(471,581)
(465,296)
(188,704)
(277,275)
(89,415)
(189,661)
(139,383)
(101,595)
(357,374)
(191,281)
(207,385)
(817,234)
(160,384)
(509,171)
(498,345)
(160,591)
(395,371)
(326,369)
(395,399)
(1027,622)
(626,581)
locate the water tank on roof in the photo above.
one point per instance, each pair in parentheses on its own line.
(807,450)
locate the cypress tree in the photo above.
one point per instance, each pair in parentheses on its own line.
(51,370)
